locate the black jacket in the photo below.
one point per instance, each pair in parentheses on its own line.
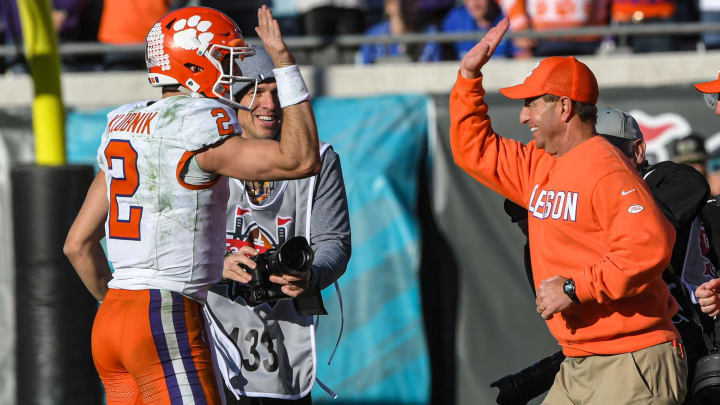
(681,192)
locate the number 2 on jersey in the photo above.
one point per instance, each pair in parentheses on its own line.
(222,120)
(124,183)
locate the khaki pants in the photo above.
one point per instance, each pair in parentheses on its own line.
(655,375)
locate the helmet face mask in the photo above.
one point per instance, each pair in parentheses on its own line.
(239,95)
(230,71)
(199,49)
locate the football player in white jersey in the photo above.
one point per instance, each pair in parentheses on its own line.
(266,351)
(160,197)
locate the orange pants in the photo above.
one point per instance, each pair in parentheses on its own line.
(148,349)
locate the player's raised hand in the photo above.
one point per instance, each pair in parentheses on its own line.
(478,56)
(268,30)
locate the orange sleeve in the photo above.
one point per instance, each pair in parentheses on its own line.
(638,237)
(499,163)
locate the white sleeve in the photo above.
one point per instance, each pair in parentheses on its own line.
(205,122)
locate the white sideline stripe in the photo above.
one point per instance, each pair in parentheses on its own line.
(166,315)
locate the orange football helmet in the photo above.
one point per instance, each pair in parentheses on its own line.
(197,48)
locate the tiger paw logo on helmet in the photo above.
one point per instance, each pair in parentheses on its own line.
(197,48)
(186,33)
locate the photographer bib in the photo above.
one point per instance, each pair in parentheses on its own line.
(266,350)
(261,351)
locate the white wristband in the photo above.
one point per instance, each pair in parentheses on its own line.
(290,86)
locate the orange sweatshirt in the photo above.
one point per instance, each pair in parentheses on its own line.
(591,218)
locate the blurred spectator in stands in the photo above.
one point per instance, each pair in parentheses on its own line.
(243,12)
(686,12)
(287,13)
(402,17)
(690,150)
(330,18)
(126,22)
(710,13)
(713,171)
(374,12)
(70,18)
(475,15)
(551,15)
(645,12)
(432,12)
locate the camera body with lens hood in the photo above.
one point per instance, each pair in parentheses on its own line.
(706,383)
(294,257)
(521,387)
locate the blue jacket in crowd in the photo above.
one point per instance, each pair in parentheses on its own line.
(459,20)
(431,51)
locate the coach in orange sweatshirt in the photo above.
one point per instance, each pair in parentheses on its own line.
(599,243)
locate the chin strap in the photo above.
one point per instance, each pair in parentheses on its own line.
(704,322)
(184,90)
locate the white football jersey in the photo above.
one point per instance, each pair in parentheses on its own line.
(162,232)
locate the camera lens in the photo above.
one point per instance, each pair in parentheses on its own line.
(295,255)
(708,396)
(706,384)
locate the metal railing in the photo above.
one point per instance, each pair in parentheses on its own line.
(309,43)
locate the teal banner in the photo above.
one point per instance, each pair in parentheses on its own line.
(83,130)
(382,355)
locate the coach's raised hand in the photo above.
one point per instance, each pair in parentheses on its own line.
(478,56)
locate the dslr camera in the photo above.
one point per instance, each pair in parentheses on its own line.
(294,257)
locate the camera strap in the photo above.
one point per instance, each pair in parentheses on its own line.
(310,303)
